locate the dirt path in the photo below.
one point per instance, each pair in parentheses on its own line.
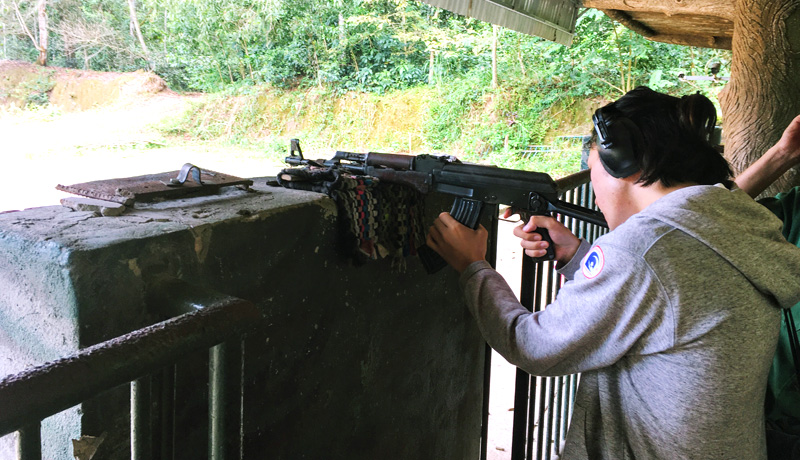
(43,149)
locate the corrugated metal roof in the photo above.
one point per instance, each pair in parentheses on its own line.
(550,19)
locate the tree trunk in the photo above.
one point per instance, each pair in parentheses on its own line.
(494,55)
(41,6)
(137,30)
(431,62)
(342,35)
(763,94)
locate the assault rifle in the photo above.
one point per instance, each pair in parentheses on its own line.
(527,193)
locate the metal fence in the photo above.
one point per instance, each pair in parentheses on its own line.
(559,145)
(543,405)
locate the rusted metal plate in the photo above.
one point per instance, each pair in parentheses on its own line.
(153,186)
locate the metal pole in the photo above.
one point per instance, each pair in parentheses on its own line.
(491,255)
(30,442)
(141,442)
(167,426)
(225,401)
(523,379)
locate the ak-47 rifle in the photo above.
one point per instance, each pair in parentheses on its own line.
(527,193)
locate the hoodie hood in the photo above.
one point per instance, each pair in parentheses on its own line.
(741,231)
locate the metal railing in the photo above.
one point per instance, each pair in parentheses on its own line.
(543,405)
(143,358)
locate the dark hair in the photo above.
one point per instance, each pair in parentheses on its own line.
(674,145)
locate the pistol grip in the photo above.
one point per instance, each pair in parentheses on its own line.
(464,210)
(551,252)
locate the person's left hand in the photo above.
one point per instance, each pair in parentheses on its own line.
(789,142)
(458,244)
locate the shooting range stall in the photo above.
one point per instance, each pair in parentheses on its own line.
(380,360)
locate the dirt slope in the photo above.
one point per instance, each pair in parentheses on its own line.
(71,89)
(108,129)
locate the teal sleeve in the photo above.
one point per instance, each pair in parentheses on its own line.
(787,207)
(782,399)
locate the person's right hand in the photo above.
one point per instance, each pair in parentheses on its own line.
(565,243)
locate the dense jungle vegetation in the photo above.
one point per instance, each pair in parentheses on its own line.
(480,90)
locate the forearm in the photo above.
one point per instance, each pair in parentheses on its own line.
(766,170)
(505,324)
(774,163)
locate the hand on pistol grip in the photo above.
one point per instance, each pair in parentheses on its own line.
(550,253)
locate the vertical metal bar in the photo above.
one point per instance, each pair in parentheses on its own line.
(558,395)
(224,401)
(156,403)
(582,200)
(141,441)
(523,379)
(167,445)
(216,402)
(546,418)
(29,445)
(560,413)
(521,419)
(235,446)
(540,418)
(539,403)
(491,254)
(551,397)
(535,403)
(487,379)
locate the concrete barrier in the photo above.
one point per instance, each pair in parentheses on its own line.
(356,362)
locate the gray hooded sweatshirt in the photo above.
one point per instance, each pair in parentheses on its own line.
(672,318)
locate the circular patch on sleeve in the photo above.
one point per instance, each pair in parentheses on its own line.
(593,263)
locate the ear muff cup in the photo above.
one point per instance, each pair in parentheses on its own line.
(616,139)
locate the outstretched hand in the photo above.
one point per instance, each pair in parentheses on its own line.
(774,163)
(565,243)
(789,142)
(458,244)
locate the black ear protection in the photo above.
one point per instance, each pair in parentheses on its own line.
(615,143)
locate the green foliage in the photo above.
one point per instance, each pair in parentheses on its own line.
(449,112)
(346,45)
(276,63)
(36,92)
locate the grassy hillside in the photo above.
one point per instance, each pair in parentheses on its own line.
(495,127)
(510,126)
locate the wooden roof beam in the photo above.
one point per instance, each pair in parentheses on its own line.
(687,40)
(626,20)
(723,43)
(718,8)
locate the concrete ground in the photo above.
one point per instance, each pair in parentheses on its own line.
(44,149)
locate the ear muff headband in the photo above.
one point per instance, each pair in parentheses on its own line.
(615,143)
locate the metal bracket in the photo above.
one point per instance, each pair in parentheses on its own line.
(184,174)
